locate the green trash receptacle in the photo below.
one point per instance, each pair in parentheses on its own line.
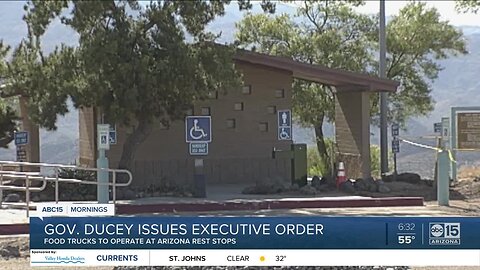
(299,164)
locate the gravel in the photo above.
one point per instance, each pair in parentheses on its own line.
(268,268)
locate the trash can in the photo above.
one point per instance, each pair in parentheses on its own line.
(299,164)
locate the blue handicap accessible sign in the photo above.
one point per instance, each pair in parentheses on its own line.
(198,129)
(113,134)
(285,133)
(284,125)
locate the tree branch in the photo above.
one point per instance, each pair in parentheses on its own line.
(394,62)
(325,18)
(5,141)
(11,94)
(311,18)
(401,55)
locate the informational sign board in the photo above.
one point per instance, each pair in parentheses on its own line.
(284,125)
(198,149)
(198,129)
(113,134)
(437,127)
(21,137)
(103,135)
(396,145)
(468,130)
(395,129)
(21,153)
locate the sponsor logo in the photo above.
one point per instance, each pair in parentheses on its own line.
(59,259)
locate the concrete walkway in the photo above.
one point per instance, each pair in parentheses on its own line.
(232,192)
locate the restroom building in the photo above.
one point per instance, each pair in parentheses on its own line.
(245,147)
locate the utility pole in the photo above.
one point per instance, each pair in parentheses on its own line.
(383,94)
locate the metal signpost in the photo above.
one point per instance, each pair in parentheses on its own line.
(395,147)
(442,166)
(445,131)
(443,184)
(21,140)
(103,144)
(284,125)
(198,133)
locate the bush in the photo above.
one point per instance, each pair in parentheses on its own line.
(314,163)
(317,166)
(375,160)
(72,191)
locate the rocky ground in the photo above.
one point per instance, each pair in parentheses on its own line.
(405,185)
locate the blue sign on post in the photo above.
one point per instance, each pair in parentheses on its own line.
(437,127)
(198,149)
(113,134)
(198,129)
(284,125)
(21,137)
(396,145)
(395,129)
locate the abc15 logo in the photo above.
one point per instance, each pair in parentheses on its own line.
(444,230)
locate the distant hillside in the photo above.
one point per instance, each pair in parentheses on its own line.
(457,84)
(60,146)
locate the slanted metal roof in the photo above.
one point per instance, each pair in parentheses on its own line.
(342,79)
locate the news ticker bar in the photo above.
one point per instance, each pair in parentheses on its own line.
(254,257)
(223,233)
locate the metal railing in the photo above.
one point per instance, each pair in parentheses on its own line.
(37,176)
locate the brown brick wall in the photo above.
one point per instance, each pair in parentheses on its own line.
(352,132)
(348,122)
(242,154)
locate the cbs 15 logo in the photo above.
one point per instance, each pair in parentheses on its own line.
(444,233)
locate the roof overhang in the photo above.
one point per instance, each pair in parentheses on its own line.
(341,79)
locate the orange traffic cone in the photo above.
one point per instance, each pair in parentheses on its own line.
(341,176)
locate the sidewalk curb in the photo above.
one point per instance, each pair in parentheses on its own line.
(12,229)
(128,209)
